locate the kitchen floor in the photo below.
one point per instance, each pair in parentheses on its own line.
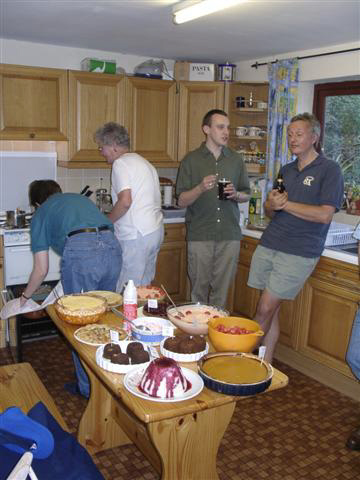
(296,433)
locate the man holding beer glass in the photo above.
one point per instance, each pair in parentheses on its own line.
(211,181)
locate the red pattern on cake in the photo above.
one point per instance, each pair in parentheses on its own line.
(163,378)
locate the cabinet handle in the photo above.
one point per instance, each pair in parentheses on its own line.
(334,273)
(32,135)
(165,234)
(245,246)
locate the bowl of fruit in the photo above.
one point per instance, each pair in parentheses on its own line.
(234,334)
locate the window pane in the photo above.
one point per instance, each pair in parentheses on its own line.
(341,141)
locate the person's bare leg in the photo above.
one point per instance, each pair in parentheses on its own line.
(267,316)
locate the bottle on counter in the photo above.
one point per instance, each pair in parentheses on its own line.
(255,205)
(130,305)
(279,185)
(251,100)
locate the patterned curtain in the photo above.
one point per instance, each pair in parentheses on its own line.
(283,96)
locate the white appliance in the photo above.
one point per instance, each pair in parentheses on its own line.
(18,258)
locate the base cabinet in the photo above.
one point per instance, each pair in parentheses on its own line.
(171,262)
(315,327)
(328,312)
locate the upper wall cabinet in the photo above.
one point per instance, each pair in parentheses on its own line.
(196,99)
(33,103)
(152,122)
(94,99)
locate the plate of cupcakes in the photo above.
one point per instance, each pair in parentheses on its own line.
(122,356)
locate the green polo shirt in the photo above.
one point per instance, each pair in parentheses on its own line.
(209,218)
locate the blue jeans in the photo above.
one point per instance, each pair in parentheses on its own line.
(90,261)
(353,352)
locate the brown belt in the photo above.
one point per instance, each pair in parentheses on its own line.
(89,230)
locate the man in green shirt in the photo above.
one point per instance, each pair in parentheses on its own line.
(213,230)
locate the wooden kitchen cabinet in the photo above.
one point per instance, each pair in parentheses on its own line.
(171,262)
(94,99)
(245,299)
(330,301)
(33,103)
(195,100)
(152,119)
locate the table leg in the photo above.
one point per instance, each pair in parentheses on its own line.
(188,444)
(98,430)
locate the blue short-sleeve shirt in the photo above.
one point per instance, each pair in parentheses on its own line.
(319,183)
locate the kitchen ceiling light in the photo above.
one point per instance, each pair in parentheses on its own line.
(184,11)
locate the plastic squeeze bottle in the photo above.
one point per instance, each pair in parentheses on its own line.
(130,305)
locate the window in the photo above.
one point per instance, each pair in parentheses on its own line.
(337,106)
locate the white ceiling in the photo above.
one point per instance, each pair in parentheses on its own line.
(253,30)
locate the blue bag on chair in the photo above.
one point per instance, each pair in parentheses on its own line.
(67,460)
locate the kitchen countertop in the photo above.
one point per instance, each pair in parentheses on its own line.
(335,254)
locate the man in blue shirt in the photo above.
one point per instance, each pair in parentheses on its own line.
(291,245)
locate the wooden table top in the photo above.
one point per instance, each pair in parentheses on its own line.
(146,410)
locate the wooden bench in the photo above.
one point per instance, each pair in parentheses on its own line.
(21,387)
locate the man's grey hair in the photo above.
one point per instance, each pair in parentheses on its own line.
(112,134)
(311,120)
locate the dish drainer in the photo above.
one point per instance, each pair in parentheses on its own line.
(340,234)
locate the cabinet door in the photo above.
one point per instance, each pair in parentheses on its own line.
(33,103)
(152,119)
(245,298)
(196,99)
(328,312)
(171,262)
(94,99)
(289,322)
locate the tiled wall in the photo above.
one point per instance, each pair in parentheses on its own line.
(74,180)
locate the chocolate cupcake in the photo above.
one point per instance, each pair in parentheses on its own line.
(120,358)
(139,356)
(134,347)
(110,349)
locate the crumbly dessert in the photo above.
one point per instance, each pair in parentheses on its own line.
(98,334)
(80,309)
(164,379)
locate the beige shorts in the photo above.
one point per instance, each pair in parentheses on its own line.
(282,274)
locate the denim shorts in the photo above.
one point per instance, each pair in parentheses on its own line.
(282,274)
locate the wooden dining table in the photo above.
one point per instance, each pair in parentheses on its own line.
(180,439)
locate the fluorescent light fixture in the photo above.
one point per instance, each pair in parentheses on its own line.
(184,11)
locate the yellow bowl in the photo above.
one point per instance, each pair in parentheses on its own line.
(229,342)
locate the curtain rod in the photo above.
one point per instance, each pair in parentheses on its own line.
(256,64)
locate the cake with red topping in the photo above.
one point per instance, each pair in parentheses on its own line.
(164,379)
